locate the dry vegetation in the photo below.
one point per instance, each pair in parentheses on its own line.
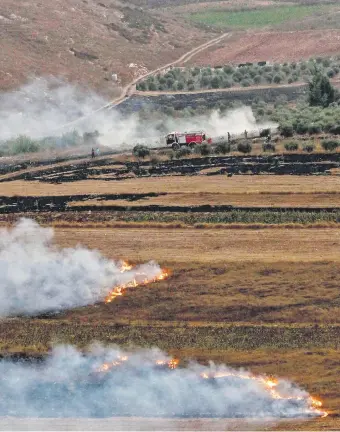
(86,42)
(219,184)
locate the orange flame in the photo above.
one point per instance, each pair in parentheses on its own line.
(139,280)
(270,385)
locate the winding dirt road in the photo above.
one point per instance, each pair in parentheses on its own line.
(129,89)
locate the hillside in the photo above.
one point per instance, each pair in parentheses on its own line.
(88,41)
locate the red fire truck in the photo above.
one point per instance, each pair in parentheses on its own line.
(178,139)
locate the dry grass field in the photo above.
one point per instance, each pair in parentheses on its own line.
(263,299)
(219,184)
(266,191)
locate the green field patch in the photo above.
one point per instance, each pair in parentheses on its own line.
(253,18)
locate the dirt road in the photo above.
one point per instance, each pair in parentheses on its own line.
(129,89)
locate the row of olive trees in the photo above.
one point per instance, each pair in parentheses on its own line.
(246,75)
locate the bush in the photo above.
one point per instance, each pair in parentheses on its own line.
(268,147)
(287,130)
(154,160)
(264,132)
(23,144)
(301,128)
(309,147)
(335,130)
(277,79)
(140,151)
(203,149)
(183,152)
(152,86)
(314,129)
(330,145)
(291,146)
(246,83)
(215,83)
(228,69)
(244,147)
(257,79)
(222,148)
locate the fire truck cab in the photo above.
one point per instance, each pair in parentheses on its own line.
(178,139)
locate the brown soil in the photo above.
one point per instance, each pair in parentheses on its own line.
(271,46)
(37,40)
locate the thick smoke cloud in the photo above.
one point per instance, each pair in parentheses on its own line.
(37,276)
(50,107)
(70,384)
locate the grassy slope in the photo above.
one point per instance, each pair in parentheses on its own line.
(36,41)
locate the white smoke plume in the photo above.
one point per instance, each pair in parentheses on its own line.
(50,107)
(37,276)
(107,382)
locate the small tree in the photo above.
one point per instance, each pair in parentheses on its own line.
(287,130)
(309,147)
(321,91)
(264,132)
(140,151)
(291,146)
(277,79)
(330,145)
(203,149)
(244,147)
(183,152)
(222,147)
(215,82)
(268,147)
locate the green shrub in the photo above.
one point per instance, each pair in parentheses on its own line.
(246,83)
(335,130)
(140,151)
(203,149)
(291,146)
(244,147)
(314,129)
(257,79)
(277,79)
(287,130)
(308,147)
(301,128)
(330,145)
(264,132)
(268,147)
(152,86)
(23,144)
(222,148)
(183,152)
(215,82)
(228,69)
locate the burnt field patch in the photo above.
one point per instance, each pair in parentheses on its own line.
(110,170)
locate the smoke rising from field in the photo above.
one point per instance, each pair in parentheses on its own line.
(70,384)
(37,276)
(50,107)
